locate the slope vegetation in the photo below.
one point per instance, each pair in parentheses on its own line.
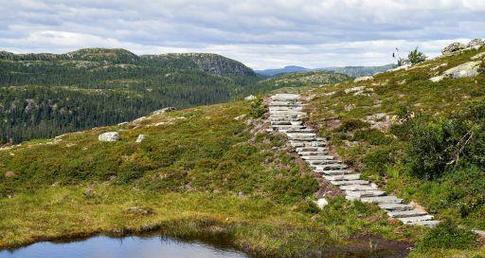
(208,172)
(420,139)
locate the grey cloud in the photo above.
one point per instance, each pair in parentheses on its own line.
(261,33)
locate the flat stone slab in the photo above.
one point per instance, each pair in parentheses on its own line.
(413,220)
(313,153)
(318,157)
(366,193)
(349,182)
(337,172)
(395,206)
(382,199)
(427,223)
(358,187)
(310,149)
(321,168)
(408,213)
(285,97)
(342,177)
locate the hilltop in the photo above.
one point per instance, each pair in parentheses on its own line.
(353,71)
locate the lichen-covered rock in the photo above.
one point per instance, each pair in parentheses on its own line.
(363,78)
(453,47)
(10,174)
(469,69)
(475,43)
(109,137)
(321,203)
(140,138)
(250,97)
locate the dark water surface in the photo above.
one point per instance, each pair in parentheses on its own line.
(127,247)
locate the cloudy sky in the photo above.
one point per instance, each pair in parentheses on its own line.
(262,34)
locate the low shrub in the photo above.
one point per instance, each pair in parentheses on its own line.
(257,108)
(447,236)
(437,146)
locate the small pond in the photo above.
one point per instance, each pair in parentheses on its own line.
(127,247)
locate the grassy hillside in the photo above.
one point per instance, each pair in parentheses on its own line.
(207,172)
(420,139)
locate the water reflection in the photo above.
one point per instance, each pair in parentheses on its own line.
(128,247)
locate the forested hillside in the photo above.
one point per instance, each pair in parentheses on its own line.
(43,95)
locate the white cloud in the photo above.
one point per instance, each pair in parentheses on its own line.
(260,33)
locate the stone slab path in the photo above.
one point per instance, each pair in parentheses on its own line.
(286,115)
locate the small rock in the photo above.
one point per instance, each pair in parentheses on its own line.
(140,138)
(321,203)
(122,124)
(249,98)
(163,110)
(354,89)
(237,118)
(109,137)
(349,107)
(363,78)
(10,174)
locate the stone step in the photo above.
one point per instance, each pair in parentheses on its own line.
(283,108)
(297,144)
(395,206)
(407,213)
(323,167)
(366,193)
(289,119)
(337,172)
(318,157)
(329,164)
(312,153)
(427,223)
(285,97)
(342,177)
(358,187)
(310,149)
(382,199)
(300,130)
(413,220)
(349,182)
(285,104)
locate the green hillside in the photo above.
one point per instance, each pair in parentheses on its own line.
(43,95)
(422,140)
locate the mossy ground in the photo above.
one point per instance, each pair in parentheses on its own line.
(207,171)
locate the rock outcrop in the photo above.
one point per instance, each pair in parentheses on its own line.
(453,47)
(469,69)
(457,47)
(109,137)
(140,138)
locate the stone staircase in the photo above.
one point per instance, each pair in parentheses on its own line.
(286,115)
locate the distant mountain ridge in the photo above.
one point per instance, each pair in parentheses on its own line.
(207,62)
(354,71)
(44,94)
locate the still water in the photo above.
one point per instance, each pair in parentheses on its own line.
(128,247)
